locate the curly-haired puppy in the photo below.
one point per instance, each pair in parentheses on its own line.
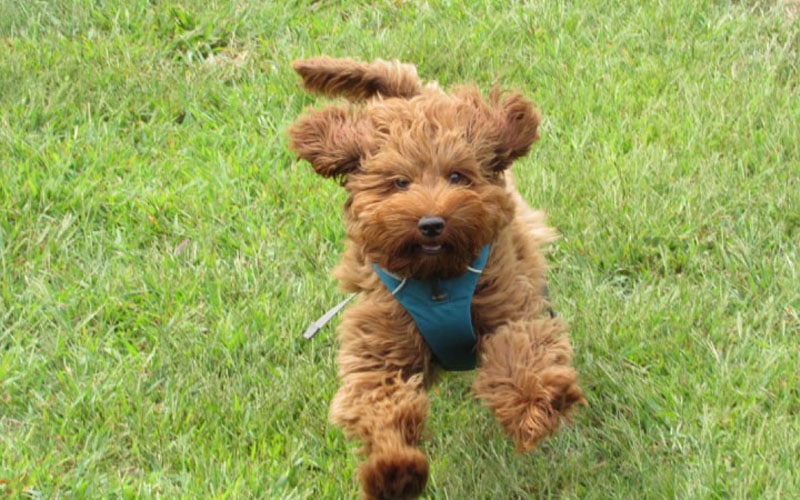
(444,255)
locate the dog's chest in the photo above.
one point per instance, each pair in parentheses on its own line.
(442,312)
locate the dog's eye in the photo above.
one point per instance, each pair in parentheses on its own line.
(457,178)
(402,184)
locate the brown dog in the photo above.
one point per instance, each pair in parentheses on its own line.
(432,205)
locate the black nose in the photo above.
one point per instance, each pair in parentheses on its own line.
(431,226)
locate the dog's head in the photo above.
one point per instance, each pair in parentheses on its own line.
(424,169)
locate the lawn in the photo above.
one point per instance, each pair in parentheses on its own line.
(161,251)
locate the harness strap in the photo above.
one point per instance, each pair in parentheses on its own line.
(441,310)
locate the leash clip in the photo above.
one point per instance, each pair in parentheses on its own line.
(437,294)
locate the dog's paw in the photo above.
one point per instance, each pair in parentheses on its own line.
(556,397)
(400,474)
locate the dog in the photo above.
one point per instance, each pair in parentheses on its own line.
(445,259)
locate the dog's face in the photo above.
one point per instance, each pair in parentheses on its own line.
(424,174)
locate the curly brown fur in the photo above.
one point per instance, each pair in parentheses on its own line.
(404,151)
(355,80)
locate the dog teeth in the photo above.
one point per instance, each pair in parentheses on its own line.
(431,248)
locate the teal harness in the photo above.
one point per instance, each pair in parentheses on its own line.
(441,311)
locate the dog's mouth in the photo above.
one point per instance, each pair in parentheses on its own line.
(431,248)
(425,260)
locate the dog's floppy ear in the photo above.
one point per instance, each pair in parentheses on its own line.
(517,128)
(501,128)
(355,80)
(333,140)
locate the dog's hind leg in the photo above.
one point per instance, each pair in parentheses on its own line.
(526,379)
(355,80)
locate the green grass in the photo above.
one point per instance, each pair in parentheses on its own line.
(161,251)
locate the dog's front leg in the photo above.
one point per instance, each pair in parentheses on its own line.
(382,402)
(526,379)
